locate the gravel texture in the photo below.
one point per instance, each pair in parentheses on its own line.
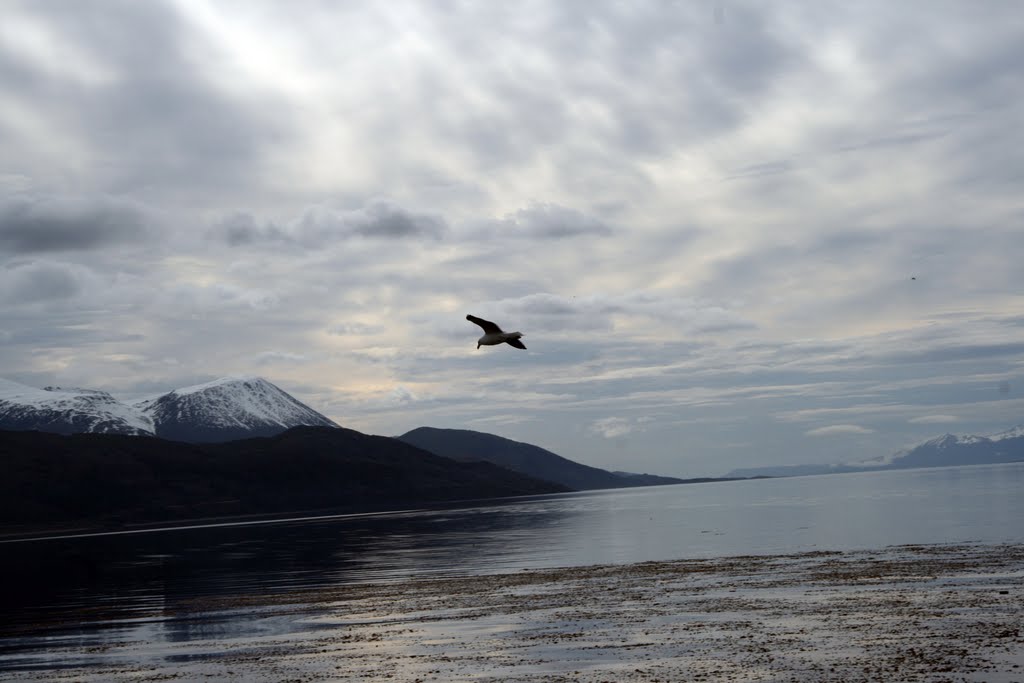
(912,613)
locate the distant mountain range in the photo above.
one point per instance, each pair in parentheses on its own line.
(222,410)
(242,446)
(234,408)
(469,446)
(68,411)
(943,451)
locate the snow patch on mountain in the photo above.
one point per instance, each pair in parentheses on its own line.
(951,440)
(68,410)
(1013,433)
(939,443)
(237,385)
(222,410)
(228,408)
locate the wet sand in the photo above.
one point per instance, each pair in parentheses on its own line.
(913,613)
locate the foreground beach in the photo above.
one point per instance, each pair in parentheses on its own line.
(911,613)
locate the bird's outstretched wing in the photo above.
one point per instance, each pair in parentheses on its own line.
(516,343)
(489,327)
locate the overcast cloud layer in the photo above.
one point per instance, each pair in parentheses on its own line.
(734,233)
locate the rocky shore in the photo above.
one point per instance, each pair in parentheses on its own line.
(911,613)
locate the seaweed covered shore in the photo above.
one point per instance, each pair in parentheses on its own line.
(910,613)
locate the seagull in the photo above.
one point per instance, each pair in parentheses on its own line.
(493,334)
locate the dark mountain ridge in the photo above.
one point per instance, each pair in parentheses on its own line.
(469,446)
(103,480)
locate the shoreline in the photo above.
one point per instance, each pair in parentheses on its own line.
(907,613)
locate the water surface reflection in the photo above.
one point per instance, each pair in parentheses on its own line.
(145,586)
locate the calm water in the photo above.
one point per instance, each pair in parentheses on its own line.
(107,585)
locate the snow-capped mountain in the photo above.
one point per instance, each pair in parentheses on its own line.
(939,444)
(952,440)
(227,409)
(964,449)
(68,411)
(223,410)
(1014,433)
(942,451)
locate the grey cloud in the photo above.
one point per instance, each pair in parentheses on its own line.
(985,75)
(701,80)
(946,260)
(956,353)
(762,169)
(552,313)
(744,58)
(595,312)
(71,330)
(32,225)
(935,91)
(549,220)
(150,386)
(193,300)
(401,394)
(716,320)
(682,313)
(156,123)
(709,76)
(322,225)
(276,357)
(355,329)
(542,221)
(544,304)
(387,220)
(242,229)
(380,219)
(33,282)
(894,140)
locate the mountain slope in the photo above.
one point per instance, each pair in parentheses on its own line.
(222,410)
(943,451)
(227,409)
(468,446)
(68,411)
(104,479)
(950,449)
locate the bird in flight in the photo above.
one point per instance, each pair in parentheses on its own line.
(493,334)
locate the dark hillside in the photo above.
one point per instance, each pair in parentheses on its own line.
(91,480)
(534,461)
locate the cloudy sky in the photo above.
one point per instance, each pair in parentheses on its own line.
(734,233)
